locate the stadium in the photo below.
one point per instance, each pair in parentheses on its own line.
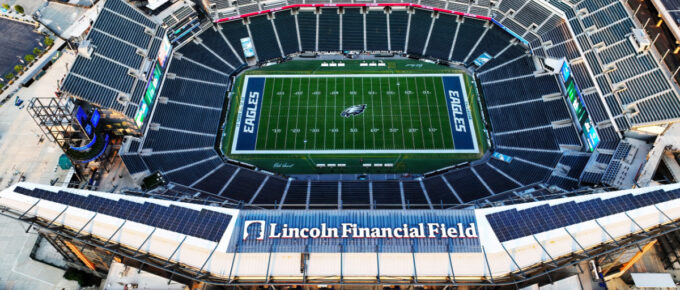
(487,143)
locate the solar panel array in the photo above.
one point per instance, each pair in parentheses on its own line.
(118,37)
(204,224)
(512,224)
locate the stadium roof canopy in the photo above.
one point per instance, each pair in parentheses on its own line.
(111,67)
(222,245)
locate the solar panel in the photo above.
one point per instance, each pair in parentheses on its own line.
(205,224)
(511,224)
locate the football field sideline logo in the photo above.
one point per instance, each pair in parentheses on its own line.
(353,111)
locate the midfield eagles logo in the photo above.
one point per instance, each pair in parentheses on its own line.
(353,111)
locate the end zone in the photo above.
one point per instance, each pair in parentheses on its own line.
(462,127)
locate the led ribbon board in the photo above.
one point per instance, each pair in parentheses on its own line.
(152,87)
(357,231)
(576,100)
(153,83)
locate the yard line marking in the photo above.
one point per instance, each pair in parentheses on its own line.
(382,110)
(438,99)
(297,115)
(325,114)
(269,112)
(372,115)
(363,119)
(316,115)
(354,120)
(342,107)
(309,91)
(413,137)
(429,115)
(420,118)
(401,113)
(335,98)
(394,138)
(276,136)
(285,132)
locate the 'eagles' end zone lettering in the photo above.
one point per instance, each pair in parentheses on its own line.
(459,113)
(457,109)
(249,114)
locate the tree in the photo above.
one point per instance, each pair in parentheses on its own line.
(29,57)
(19,9)
(37,51)
(9,76)
(18,68)
(5,6)
(48,41)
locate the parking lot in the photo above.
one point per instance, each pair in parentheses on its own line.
(18,40)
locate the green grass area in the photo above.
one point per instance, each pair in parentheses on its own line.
(408,112)
(301,122)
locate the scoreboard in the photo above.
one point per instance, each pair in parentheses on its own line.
(153,82)
(573,95)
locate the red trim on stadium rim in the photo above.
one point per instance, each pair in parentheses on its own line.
(354,5)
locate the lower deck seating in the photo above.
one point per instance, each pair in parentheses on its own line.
(271,193)
(398,27)
(214,182)
(264,39)
(376,30)
(329,30)
(440,194)
(386,195)
(323,195)
(494,179)
(296,196)
(466,185)
(355,195)
(523,172)
(288,36)
(443,32)
(352,29)
(414,197)
(419,29)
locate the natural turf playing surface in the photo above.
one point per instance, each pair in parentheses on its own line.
(404,116)
(392,114)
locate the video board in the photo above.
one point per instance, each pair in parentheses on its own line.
(575,98)
(152,87)
(164,51)
(153,82)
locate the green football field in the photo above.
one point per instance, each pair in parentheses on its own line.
(402,113)
(354,119)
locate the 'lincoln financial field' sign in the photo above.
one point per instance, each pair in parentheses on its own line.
(355,231)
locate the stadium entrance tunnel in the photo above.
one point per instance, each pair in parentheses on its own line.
(353,116)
